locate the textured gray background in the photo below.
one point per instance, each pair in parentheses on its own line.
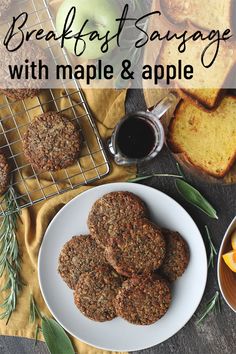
(218,333)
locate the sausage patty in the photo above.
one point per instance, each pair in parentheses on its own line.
(79,255)
(138,248)
(177,255)
(4,173)
(21,89)
(95,293)
(109,211)
(143,300)
(52,142)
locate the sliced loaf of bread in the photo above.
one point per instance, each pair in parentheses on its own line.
(209,14)
(206,99)
(208,140)
(204,88)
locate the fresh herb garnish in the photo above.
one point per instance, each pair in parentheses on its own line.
(35,314)
(10,261)
(55,337)
(214,305)
(194,197)
(212,249)
(188,192)
(37,330)
(143,178)
(180,170)
(34,311)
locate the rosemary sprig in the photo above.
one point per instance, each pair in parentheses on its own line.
(180,170)
(35,315)
(10,260)
(214,305)
(143,178)
(34,311)
(212,248)
(38,329)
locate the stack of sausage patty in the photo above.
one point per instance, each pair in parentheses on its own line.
(126,265)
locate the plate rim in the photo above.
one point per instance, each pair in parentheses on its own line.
(119,184)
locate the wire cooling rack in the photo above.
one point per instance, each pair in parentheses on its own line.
(30,185)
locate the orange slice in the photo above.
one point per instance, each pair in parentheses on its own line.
(230,260)
(233,240)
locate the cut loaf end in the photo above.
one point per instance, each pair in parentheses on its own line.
(208,140)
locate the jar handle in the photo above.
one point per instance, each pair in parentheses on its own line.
(164,105)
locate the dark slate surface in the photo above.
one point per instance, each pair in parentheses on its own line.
(217,334)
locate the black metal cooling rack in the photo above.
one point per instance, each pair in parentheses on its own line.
(31,186)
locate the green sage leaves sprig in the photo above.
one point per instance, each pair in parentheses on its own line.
(188,192)
(194,197)
(55,337)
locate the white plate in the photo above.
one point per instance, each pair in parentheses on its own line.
(119,335)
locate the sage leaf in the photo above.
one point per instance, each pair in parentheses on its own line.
(194,197)
(56,338)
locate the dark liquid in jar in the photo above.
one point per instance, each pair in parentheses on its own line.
(136,138)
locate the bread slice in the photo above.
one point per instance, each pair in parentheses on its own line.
(210,14)
(208,140)
(206,99)
(204,88)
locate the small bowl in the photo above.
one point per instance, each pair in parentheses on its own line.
(227,278)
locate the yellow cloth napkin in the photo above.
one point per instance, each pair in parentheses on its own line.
(107,107)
